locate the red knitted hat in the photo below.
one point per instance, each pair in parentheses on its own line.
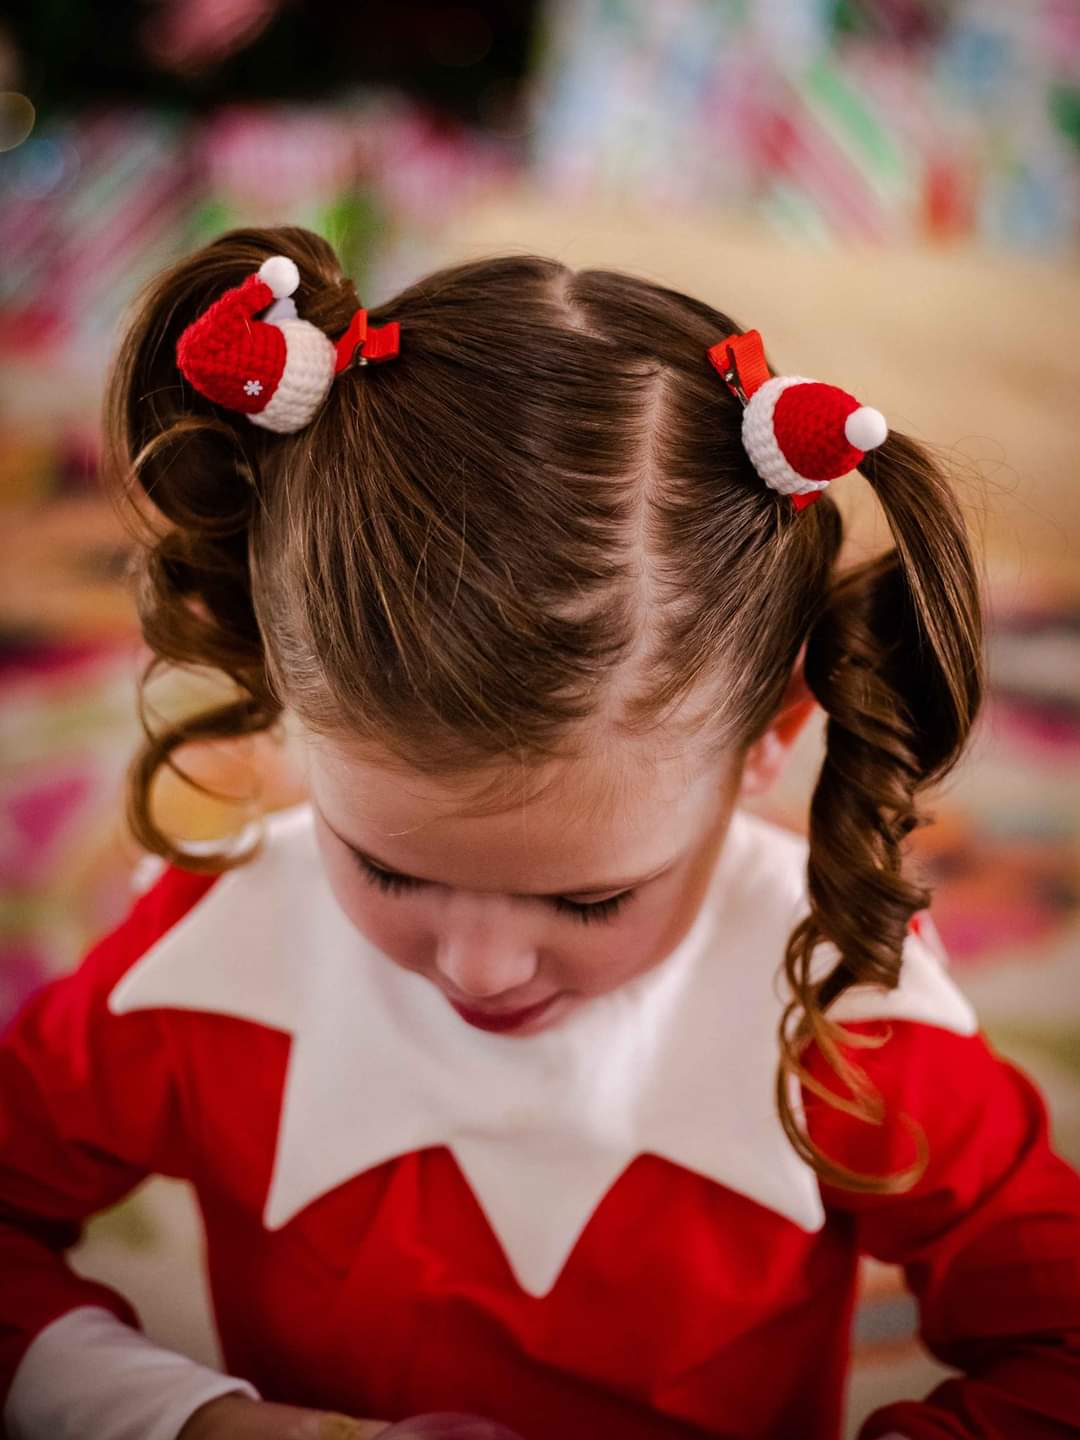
(277,370)
(799,433)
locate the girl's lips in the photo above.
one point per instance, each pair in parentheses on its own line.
(503,1021)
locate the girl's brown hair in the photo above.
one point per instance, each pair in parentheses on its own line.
(537,521)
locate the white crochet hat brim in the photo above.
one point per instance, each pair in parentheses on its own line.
(759,439)
(305,382)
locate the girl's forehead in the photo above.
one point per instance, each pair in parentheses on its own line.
(585,822)
(617,783)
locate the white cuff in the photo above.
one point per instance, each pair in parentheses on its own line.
(88,1373)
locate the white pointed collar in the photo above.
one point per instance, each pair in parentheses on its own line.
(679,1063)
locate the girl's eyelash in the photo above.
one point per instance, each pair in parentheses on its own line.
(598,910)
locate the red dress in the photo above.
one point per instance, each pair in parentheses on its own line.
(599,1230)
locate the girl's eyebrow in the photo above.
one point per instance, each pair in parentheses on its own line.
(421,880)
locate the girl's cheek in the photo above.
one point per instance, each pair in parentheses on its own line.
(381,918)
(399,928)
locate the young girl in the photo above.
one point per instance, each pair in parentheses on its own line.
(519,1071)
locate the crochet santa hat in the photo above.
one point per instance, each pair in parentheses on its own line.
(277,370)
(799,433)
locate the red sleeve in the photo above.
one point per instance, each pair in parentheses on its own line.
(88,1109)
(989,1239)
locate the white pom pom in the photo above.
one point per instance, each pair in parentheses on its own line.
(281,274)
(865,428)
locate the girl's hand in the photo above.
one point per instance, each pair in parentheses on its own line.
(238,1417)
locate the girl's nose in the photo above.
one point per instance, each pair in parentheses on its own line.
(483,956)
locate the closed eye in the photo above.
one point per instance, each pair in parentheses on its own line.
(393,883)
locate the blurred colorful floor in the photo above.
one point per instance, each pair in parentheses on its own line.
(1005,848)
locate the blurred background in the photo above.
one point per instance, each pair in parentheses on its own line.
(887,189)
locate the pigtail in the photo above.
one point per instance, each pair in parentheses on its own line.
(185,477)
(895,660)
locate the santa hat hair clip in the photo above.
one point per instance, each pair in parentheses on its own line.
(799,433)
(276,370)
